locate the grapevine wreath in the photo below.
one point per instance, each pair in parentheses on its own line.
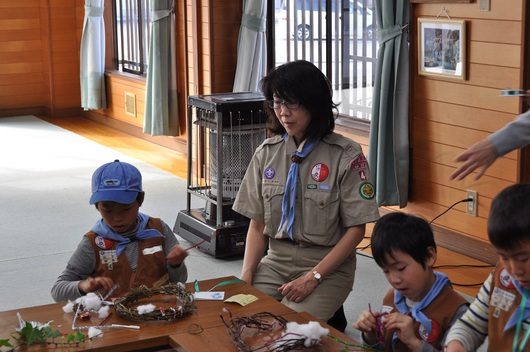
(125,307)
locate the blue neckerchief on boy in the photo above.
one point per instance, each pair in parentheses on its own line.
(516,315)
(289,196)
(401,305)
(102,229)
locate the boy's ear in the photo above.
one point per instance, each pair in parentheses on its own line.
(140,198)
(431,258)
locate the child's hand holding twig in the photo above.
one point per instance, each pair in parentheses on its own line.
(176,256)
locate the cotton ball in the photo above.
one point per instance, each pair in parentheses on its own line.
(94,332)
(312,332)
(69,307)
(92,302)
(103,312)
(146,308)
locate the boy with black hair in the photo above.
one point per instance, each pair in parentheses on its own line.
(421,306)
(124,247)
(501,310)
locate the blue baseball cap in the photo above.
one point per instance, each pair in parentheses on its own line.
(116,182)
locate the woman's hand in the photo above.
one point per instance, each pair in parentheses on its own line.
(297,290)
(403,325)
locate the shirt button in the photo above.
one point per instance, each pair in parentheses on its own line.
(267,196)
(322,203)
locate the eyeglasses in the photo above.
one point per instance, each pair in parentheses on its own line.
(277,104)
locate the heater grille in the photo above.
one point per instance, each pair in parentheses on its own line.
(224,130)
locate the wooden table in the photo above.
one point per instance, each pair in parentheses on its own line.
(175,334)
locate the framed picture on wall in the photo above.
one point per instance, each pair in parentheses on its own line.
(442,48)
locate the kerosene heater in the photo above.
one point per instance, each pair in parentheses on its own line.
(223,130)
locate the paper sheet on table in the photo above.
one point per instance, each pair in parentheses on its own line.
(209,295)
(242,299)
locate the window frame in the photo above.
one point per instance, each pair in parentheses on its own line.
(140,31)
(347,123)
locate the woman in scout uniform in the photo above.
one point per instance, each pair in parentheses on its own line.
(308,194)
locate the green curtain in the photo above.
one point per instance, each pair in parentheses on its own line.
(251,47)
(388,153)
(161,114)
(92,57)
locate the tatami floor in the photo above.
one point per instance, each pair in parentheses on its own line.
(467,274)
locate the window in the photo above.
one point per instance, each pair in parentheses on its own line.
(131,33)
(338,36)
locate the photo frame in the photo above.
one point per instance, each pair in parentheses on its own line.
(442,48)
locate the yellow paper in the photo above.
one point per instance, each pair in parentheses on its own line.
(242,299)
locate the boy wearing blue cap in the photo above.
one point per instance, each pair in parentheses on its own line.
(125,247)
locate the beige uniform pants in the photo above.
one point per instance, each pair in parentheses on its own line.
(286,261)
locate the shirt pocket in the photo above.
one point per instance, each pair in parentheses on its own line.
(321,212)
(273,197)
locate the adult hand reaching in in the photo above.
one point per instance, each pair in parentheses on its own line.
(480,155)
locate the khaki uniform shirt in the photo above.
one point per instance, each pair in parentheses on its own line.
(334,189)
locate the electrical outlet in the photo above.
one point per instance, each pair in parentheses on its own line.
(471,207)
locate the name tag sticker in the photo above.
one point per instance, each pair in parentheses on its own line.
(152,250)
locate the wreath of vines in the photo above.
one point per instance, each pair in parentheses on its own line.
(121,305)
(263,322)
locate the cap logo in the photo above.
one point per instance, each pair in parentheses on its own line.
(111,182)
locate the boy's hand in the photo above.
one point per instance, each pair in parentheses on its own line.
(92,284)
(176,256)
(366,323)
(403,325)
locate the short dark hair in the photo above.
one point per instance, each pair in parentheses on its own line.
(402,232)
(303,82)
(509,218)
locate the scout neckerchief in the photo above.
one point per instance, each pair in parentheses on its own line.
(517,318)
(416,313)
(289,196)
(102,229)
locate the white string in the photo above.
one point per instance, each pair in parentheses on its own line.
(443,11)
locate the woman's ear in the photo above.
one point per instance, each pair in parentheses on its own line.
(431,257)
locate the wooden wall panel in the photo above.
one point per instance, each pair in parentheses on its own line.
(448,115)
(117,85)
(464,94)
(64,48)
(21,64)
(507,10)
(46,54)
